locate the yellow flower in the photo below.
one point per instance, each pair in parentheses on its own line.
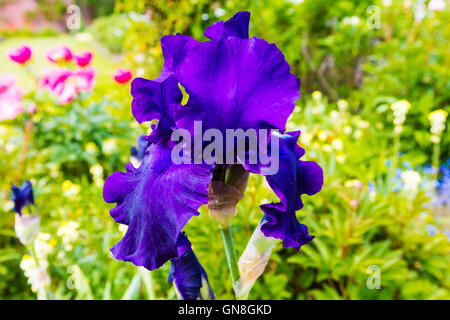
(438,115)
(90,147)
(317,95)
(70,189)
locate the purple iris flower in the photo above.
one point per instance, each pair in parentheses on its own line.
(233,82)
(189,276)
(139,151)
(22,196)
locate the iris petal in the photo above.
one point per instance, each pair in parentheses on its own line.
(236,83)
(188,274)
(22,196)
(235,27)
(155,201)
(175,49)
(294,178)
(156,100)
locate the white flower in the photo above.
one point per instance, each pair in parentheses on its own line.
(37,276)
(342,105)
(419,10)
(436,5)
(96,171)
(41,245)
(412,180)
(219,12)
(400,109)
(354,20)
(68,231)
(437,119)
(337,144)
(109,146)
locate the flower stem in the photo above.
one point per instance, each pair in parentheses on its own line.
(231,255)
(435,161)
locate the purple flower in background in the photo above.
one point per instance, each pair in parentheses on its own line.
(233,82)
(189,276)
(22,196)
(139,151)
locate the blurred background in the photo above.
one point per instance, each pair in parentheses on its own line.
(375,85)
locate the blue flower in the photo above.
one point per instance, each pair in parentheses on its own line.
(22,196)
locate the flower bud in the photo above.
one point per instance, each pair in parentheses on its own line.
(27,227)
(253,261)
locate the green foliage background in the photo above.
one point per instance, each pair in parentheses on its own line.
(329,51)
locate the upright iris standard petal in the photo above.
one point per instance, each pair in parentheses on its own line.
(175,49)
(189,276)
(155,201)
(236,83)
(235,27)
(294,178)
(156,100)
(22,196)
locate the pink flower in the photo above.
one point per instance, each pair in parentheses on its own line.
(59,54)
(10,98)
(122,75)
(20,54)
(85,78)
(66,84)
(83,59)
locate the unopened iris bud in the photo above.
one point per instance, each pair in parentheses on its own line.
(253,260)
(22,196)
(27,227)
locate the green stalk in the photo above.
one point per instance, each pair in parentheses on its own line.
(435,161)
(394,164)
(231,255)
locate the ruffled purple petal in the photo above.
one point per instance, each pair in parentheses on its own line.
(175,49)
(235,27)
(236,83)
(156,100)
(22,196)
(188,274)
(155,201)
(294,178)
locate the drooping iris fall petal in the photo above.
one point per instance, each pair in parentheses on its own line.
(189,276)
(294,178)
(155,201)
